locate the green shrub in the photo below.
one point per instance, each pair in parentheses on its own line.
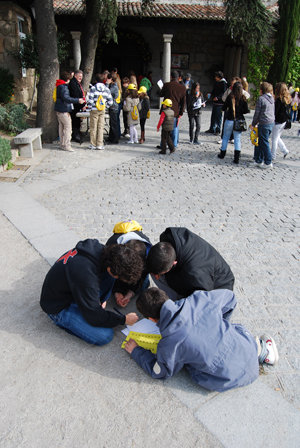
(5,152)
(259,62)
(7,84)
(13,117)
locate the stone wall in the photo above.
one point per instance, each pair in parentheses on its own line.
(9,42)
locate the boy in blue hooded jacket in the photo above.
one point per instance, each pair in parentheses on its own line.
(217,354)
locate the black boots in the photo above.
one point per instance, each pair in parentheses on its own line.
(222,154)
(236,157)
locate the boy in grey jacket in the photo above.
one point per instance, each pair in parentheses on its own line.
(264,116)
(217,354)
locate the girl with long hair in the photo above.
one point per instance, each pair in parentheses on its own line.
(282,103)
(235,107)
(195,102)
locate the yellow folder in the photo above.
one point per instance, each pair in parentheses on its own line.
(145,340)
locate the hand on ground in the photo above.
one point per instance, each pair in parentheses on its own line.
(123,300)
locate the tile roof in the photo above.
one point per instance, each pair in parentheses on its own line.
(158,10)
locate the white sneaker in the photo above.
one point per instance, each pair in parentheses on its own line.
(272,355)
(136,141)
(130,142)
(219,142)
(258,164)
(264,166)
(99,147)
(127,135)
(68,149)
(92,147)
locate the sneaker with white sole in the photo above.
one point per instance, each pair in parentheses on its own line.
(265,167)
(92,147)
(268,345)
(130,142)
(68,149)
(99,147)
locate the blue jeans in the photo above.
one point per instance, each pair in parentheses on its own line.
(228,128)
(294,115)
(216,118)
(175,133)
(262,152)
(71,320)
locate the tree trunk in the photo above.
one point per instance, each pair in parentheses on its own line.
(49,67)
(33,93)
(285,43)
(89,40)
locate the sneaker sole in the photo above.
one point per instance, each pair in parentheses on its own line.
(265,338)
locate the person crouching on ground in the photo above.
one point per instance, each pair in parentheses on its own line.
(99,98)
(63,106)
(235,107)
(145,108)
(167,122)
(217,354)
(132,106)
(76,289)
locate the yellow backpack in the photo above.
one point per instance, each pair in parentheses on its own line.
(127,226)
(54,95)
(148,114)
(295,106)
(135,113)
(254,136)
(100,103)
(118,99)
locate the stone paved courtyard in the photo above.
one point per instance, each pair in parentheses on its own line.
(249,214)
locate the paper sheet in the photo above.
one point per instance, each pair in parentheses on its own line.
(142,326)
(160,84)
(147,341)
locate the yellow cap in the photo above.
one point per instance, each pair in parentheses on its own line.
(297,89)
(142,89)
(132,87)
(167,102)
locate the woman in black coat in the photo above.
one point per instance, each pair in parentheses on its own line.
(235,107)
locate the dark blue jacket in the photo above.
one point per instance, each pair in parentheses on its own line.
(217,354)
(64,102)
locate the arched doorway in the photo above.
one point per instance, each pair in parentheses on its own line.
(130,53)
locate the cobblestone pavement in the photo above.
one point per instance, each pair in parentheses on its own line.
(249,214)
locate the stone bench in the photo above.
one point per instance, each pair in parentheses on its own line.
(29,140)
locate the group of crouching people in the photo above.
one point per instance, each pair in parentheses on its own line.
(191,304)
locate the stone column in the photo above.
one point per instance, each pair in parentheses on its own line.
(76,48)
(167,57)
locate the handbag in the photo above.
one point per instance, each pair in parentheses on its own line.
(288,124)
(239,125)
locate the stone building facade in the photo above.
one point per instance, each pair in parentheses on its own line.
(15,23)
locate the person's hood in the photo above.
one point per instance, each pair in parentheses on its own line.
(125,237)
(59,82)
(269,97)
(181,240)
(92,249)
(173,317)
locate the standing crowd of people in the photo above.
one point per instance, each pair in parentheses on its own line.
(110,95)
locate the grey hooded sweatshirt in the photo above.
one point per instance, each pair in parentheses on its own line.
(264,110)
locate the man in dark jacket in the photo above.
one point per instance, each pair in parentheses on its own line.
(182,263)
(176,93)
(114,135)
(76,289)
(76,91)
(219,88)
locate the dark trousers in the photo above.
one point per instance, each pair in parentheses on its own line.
(166,139)
(113,135)
(125,122)
(75,124)
(142,123)
(216,118)
(194,120)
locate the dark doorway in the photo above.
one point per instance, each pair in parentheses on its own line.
(130,53)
